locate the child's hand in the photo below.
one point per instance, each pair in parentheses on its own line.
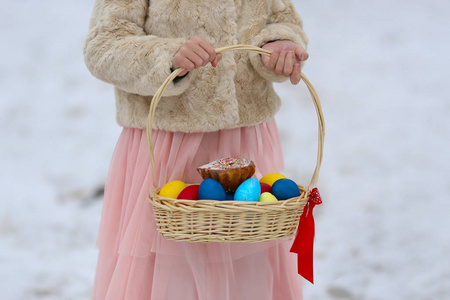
(195,53)
(285,59)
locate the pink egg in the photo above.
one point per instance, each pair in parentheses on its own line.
(190,192)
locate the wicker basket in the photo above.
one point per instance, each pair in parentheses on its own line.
(229,221)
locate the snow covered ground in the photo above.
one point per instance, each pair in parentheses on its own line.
(381,71)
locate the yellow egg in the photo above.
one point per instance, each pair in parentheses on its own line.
(172,189)
(267,197)
(271,178)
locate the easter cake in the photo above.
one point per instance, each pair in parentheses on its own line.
(229,171)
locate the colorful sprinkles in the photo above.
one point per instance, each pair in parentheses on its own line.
(226,163)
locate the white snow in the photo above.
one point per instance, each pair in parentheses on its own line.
(381,71)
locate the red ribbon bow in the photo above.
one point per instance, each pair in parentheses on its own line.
(304,240)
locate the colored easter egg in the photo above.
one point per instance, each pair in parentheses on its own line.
(284,189)
(248,191)
(211,189)
(271,178)
(265,188)
(172,189)
(190,192)
(267,197)
(230,196)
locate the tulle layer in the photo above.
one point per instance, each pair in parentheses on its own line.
(135,262)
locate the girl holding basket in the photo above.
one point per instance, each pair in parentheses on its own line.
(221,105)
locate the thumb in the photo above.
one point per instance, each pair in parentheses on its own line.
(265,59)
(301,54)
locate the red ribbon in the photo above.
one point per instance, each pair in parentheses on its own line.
(304,240)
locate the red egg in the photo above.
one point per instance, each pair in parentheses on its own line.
(265,187)
(190,192)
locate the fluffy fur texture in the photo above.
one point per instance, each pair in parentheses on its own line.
(131,44)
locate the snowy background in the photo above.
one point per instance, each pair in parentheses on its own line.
(381,71)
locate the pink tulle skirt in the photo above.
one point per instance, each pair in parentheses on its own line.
(136,263)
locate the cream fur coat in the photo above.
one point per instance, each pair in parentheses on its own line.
(131,44)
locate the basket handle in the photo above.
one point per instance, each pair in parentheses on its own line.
(315,97)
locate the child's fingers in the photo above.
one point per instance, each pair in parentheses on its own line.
(209,50)
(285,59)
(288,64)
(195,57)
(187,64)
(281,61)
(185,58)
(216,60)
(295,76)
(199,51)
(271,62)
(193,54)
(203,57)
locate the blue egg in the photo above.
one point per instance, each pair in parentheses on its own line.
(211,189)
(248,191)
(284,189)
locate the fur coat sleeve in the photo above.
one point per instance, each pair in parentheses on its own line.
(119,51)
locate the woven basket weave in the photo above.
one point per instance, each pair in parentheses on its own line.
(229,221)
